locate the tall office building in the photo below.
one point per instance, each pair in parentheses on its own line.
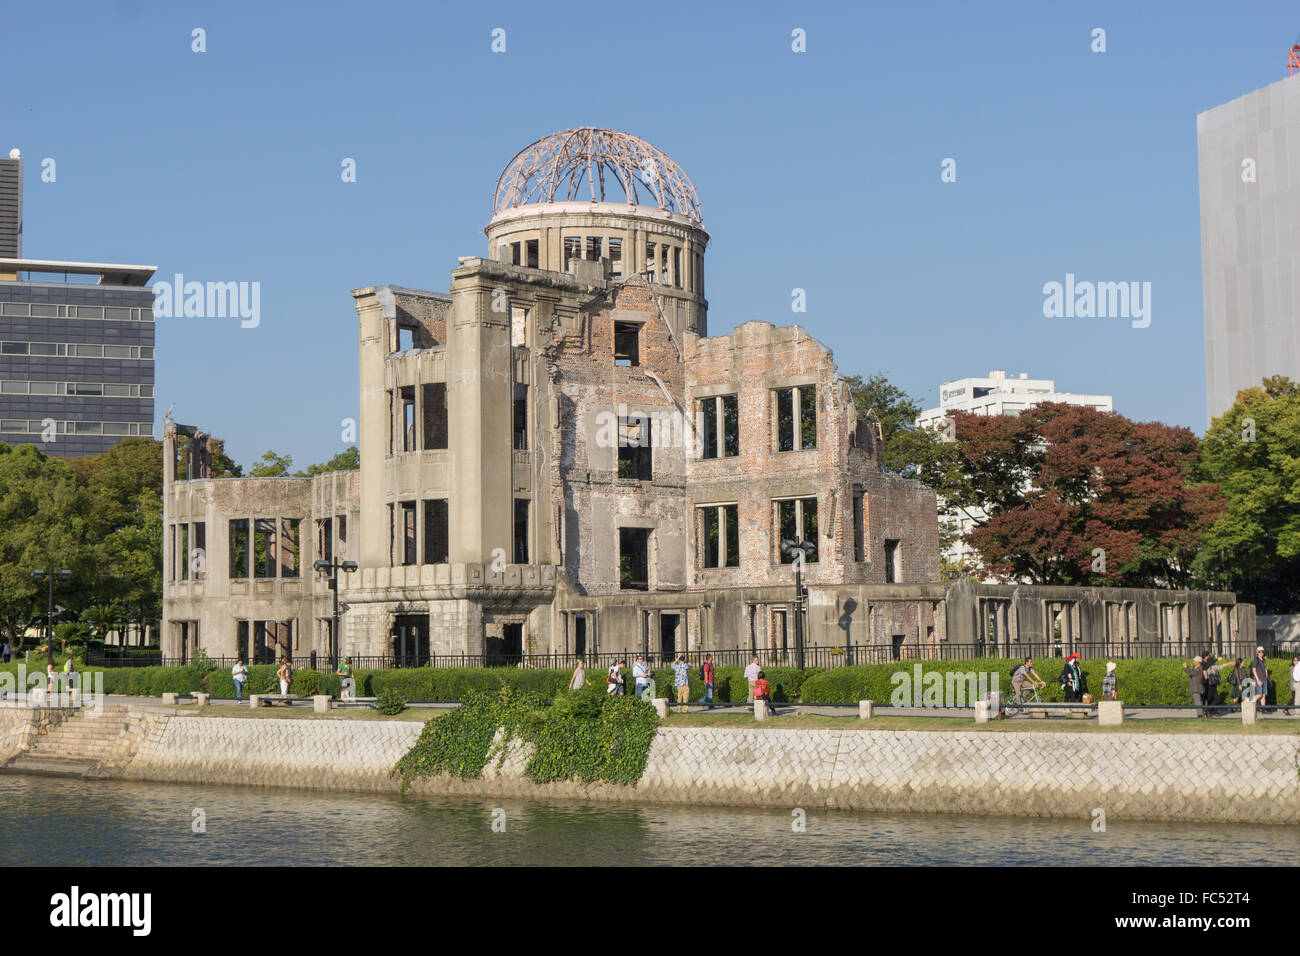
(76,343)
(1250,240)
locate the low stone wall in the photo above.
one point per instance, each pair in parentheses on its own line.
(1210,777)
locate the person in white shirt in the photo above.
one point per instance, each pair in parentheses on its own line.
(640,676)
(239,674)
(1295,684)
(751,675)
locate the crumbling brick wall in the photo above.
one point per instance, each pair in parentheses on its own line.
(592,393)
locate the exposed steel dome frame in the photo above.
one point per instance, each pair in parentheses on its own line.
(553,169)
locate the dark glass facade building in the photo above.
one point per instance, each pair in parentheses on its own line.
(76,345)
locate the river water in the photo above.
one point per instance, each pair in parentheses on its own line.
(56,822)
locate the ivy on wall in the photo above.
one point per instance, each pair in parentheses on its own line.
(585,735)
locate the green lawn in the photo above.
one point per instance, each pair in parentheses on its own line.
(306,713)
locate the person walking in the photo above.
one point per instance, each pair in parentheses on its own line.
(1212,680)
(285,673)
(1259,671)
(49,676)
(4,652)
(640,676)
(69,674)
(1110,683)
(1195,672)
(347,683)
(614,679)
(682,680)
(752,674)
(1236,677)
(579,678)
(1295,684)
(763,692)
(239,674)
(707,675)
(1071,680)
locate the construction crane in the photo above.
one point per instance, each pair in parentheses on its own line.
(1293,58)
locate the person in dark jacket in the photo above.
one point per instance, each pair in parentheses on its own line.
(1196,684)
(1212,679)
(1234,679)
(1071,680)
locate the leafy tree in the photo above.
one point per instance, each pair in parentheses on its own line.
(1253,452)
(271,465)
(45,522)
(125,489)
(222,466)
(349,459)
(1077,496)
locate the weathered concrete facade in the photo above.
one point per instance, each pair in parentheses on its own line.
(555,458)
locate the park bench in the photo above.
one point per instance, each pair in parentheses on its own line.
(257,700)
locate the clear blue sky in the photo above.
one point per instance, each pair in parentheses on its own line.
(817,170)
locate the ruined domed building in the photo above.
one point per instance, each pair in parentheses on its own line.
(557,459)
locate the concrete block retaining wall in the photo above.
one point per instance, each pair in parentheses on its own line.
(1209,777)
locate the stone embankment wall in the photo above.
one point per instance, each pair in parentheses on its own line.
(1209,777)
(20,725)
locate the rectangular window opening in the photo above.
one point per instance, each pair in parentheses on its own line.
(265,548)
(290,565)
(436,537)
(239,548)
(893,569)
(634,559)
(408,533)
(435,415)
(627,341)
(796,520)
(521,531)
(635,455)
(521,418)
(719,536)
(407,395)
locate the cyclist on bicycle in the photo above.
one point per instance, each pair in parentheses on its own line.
(1025,673)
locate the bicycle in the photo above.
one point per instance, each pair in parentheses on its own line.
(1012,703)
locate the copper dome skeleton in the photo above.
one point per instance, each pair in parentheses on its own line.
(555,167)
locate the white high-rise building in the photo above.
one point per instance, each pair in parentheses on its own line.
(995,394)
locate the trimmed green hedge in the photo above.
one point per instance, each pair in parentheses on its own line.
(1142,681)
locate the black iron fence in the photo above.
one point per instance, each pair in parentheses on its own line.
(814,656)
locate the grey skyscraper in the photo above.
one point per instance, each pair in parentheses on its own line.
(76,343)
(1249,153)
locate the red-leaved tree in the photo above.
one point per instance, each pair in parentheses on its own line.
(1076,496)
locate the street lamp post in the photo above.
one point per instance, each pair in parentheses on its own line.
(333,566)
(39,574)
(798,552)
